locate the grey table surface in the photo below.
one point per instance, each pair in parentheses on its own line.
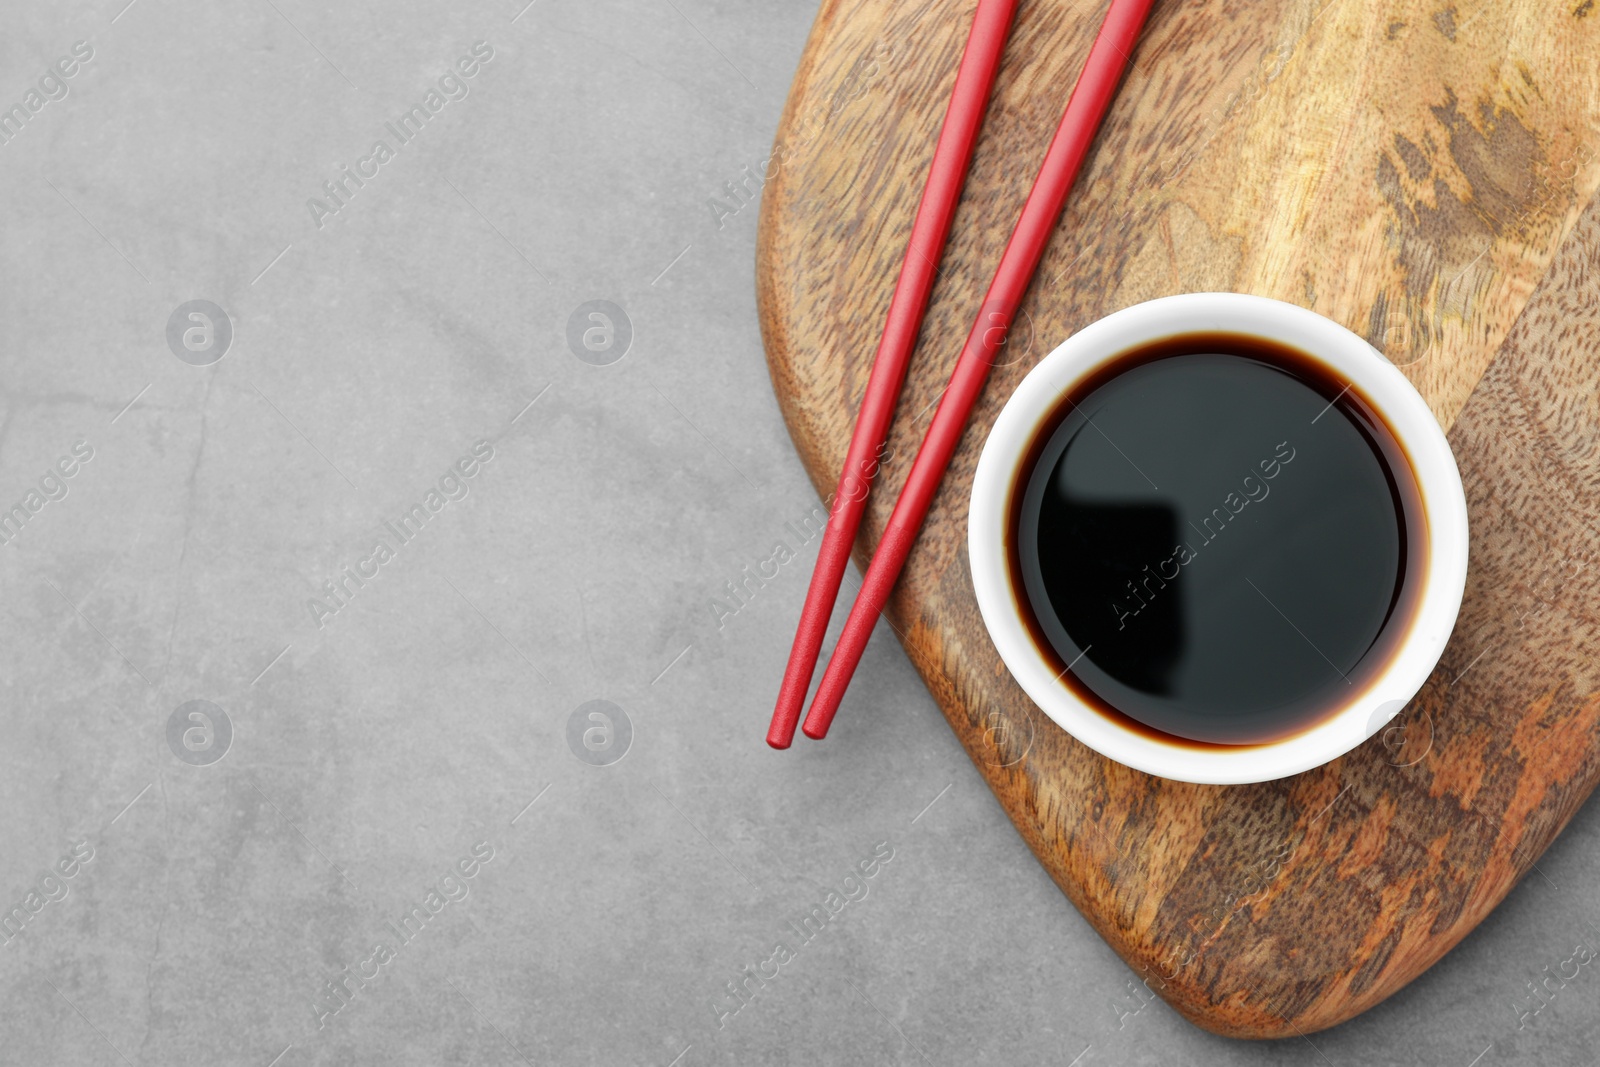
(396,830)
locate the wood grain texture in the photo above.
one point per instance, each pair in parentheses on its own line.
(1407,169)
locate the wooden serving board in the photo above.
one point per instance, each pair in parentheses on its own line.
(1411,170)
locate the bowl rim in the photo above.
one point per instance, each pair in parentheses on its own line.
(1349,356)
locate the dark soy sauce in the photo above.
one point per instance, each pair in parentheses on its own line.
(1219,540)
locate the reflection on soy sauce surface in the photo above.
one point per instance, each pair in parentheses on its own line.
(1218,539)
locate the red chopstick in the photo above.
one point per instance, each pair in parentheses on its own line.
(948,172)
(1087,106)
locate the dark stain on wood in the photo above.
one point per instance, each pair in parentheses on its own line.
(1445,22)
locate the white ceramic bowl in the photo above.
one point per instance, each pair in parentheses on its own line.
(1353,360)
